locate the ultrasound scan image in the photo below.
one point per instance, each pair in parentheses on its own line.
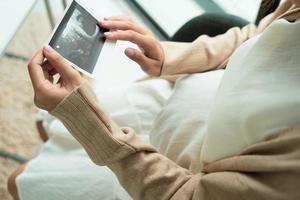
(78,38)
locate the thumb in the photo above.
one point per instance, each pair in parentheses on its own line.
(139,58)
(58,62)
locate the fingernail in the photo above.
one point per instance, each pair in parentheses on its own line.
(107,34)
(130,52)
(48,49)
(103,23)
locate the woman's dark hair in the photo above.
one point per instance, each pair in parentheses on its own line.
(266,7)
(266,4)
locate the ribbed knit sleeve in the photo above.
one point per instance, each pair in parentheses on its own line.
(104,141)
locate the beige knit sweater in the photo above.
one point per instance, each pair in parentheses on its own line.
(267,170)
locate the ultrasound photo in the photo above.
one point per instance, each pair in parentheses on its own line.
(78,38)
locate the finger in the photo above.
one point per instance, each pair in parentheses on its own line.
(52,72)
(132,36)
(58,62)
(35,70)
(47,66)
(140,58)
(122,25)
(49,71)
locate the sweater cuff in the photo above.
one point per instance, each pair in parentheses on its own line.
(175,56)
(167,64)
(83,116)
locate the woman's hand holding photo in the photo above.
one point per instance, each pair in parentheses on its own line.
(48,93)
(151,54)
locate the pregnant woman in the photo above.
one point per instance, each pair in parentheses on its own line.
(248,147)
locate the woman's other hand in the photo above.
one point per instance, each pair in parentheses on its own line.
(48,93)
(150,56)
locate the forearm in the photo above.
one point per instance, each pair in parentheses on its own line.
(149,175)
(205,53)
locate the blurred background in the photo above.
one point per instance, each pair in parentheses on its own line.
(26,25)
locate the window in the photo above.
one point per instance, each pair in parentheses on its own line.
(169,15)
